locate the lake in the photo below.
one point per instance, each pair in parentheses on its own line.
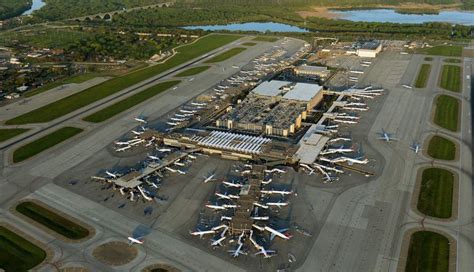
(259,27)
(391,16)
(37,4)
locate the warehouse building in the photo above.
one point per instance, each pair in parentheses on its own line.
(369,49)
(315,71)
(273,108)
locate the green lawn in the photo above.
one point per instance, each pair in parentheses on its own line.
(29,150)
(447,112)
(443,50)
(436,194)
(452,60)
(193,71)
(428,252)
(249,44)
(52,220)
(109,87)
(441,148)
(265,39)
(226,55)
(7,133)
(423,76)
(49,86)
(129,102)
(451,78)
(17,253)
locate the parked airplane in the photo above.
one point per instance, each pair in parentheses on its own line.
(123,148)
(141,119)
(210,177)
(181,172)
(217,242)
(416,147)
(155,158)
(238,251)
(232,184)
(201,233)
(386,136)
(138,133)
(275,170)
(112,175)
(407,86)
(132,240)
(163,150)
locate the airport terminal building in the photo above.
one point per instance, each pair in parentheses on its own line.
(273,108)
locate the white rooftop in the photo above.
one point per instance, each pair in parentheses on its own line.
(310,148)
(270,88)
(303,92)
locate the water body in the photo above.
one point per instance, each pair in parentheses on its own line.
(37,4)
(391,16)
(259,27)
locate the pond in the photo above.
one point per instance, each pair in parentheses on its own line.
(391,16)
(253,26)
(37,4)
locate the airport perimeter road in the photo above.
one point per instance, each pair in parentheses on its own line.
(364,230)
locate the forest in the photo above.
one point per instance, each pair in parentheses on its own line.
(12,8)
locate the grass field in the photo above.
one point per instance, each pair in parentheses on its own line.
(249,44)
(29,150)
(443,50)
(129,102)
(452,60)
(49,86)
(18,254)
(447,112)
(428,58)
(451,78)
(428,252)
(7,133)
(109,87)
(193,71)
(441,148)
(52,220)
(265,39)
(436,193)
(226,55)
(423,76)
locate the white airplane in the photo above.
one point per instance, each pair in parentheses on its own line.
(227,196)
(217,242)
(265,182)
(198,104)
(155,158)
(171,169)
(235,66)
(416,147)
(112,175)
(140,119)
(356,72)
(209,178)
(132,240)
(407,86)
(226,218)
(336,150)
(276,192)
(262,218)
(403,53)
(192,157)
(181,172)
(172,124)
(178,120)
(231,184)
(164,150)
(267,253)
(138,133)
(123,148)
(179,163)
(277,233)
(277,204)
(188,111)
(181,115)
(238,251)
(121,143)
(143,194)
(387,137)
(260,205)
(275,170)
(215,207)
(201,232)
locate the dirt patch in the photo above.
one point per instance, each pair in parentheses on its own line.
(74,269)
(115,253)
(160,268)
(318,12)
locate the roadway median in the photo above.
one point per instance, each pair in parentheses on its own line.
(129,102)
(76,101)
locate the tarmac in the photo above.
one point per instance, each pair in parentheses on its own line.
(357,223)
